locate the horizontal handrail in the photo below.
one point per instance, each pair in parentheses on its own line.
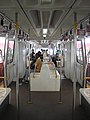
(3,77)
(86,78)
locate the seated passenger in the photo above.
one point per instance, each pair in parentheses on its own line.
(38,63)
(32,67)
(54,60)
(35,64)
(41,55)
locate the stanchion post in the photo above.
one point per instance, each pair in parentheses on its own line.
(30,96)
(74,74)
(60,91)
(17,64)
(5,61)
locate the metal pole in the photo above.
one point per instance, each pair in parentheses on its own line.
(5,60)
(84,79)
(85,64)
(17,64)
(30,96)
(74,76)
(60,92)
(60,95)
(55,71)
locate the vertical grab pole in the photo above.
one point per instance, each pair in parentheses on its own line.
(55,71)
(30,96)
(60,91)
(84,79)
(85,64)
(5,60)
(74,76)
(17,64)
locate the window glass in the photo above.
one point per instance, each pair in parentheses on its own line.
(87,43)
(79,52)
(10,50)
(2,44)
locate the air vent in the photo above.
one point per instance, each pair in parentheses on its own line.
(30,2)
(46,1)
(45,17)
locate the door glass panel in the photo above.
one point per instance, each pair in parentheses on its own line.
(79,52)
(2,44)
(87,43)
(10,50)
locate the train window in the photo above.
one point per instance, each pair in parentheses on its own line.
(79,52)
(10,51)
(87,43)
(2,44)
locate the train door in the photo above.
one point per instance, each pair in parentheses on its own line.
(72,59)
(7,48)
(87,46)
(67,59)
(2,45)
(10,60)
(79,61)
(22,58)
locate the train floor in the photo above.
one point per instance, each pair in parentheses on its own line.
(45,105)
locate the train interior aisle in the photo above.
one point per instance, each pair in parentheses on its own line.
(45,59)
(45,104)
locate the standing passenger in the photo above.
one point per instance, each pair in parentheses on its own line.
(32,55)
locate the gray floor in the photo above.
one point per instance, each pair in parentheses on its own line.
(45,105)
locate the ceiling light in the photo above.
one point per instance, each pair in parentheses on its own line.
(44,35)
(44,31)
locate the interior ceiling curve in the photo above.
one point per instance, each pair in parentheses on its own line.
(52,15)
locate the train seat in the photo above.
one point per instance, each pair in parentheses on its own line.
(46,80)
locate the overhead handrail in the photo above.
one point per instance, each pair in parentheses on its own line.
(14,23)
(21,7)
(63,18)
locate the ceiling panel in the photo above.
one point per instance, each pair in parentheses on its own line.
(45,18)
(35,14)
(51,14)
(30,2)
(63,3)
(5,3)
(43,2)
(84,3)
(55,17)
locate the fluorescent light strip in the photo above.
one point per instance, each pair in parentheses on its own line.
(44,31)
(44,35)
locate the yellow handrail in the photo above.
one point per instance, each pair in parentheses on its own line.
(3,77)
(86,78)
